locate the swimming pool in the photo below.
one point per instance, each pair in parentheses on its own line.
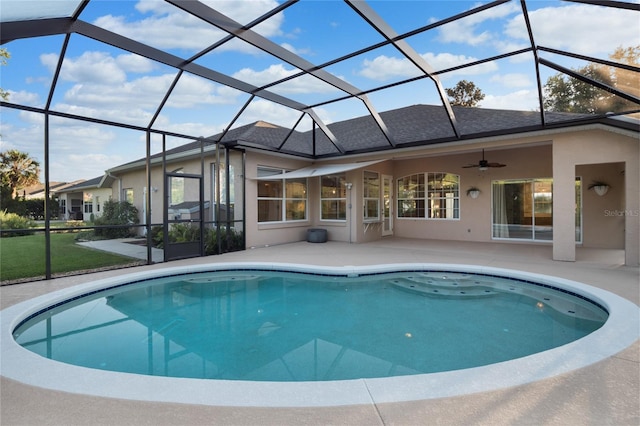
(27,367)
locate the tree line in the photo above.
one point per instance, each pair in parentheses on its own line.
(17,171)
(564,93)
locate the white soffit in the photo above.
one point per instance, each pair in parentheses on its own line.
(320,170)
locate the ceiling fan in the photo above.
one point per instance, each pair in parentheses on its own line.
(483,164)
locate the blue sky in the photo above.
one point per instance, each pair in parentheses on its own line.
(104,82)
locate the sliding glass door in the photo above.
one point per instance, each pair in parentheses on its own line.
(522,209)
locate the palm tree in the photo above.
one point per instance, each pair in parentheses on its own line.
(18,170)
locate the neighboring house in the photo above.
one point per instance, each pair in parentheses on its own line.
(85,200)
(359,184)
(37,191)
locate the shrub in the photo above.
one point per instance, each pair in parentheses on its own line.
(234,241)
(184,233)
(35,208)
(157,236)
(14,221)
(187,232)
(117,213)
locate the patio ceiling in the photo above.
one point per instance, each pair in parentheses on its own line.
(244,54)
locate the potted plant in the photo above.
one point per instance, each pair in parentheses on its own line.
(473,192)
(599,187)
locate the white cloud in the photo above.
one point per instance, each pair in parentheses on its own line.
(263,110)
(572,28)
(23,97)
(194,128)
(192,91)
(133,115)
(75,136)
(32,118)
(164,27)
(443,61)
(102,90)
(72,167)
(88,67)
(467,31)
(521,100)
(135,63)
(384,68)
(291,48)
(136,101)
(266,76)
(97,161)
(464,34)
(302,84)
(512,80)
(78,150)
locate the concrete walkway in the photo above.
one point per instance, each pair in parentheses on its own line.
(605,393)
(126,247)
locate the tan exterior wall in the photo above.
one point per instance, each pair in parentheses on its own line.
(99,196)
(608,222)
(259,235)
(603,220)
(475,214)
(598,147)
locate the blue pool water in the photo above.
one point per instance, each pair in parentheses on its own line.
(279,326)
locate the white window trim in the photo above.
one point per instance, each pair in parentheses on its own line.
(283,200)
(377,218)
(322,199)
(426,199)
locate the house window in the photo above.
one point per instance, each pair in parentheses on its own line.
(411,196)
(371,191)
(88,203)
(127,195)
(443,193)
(98,204)
(429,196)
(333,197)
(279,199)
(63,206)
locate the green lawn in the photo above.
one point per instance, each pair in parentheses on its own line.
(24,257)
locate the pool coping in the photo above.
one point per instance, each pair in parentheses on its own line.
(620,331)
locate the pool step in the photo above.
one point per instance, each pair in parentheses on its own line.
(465,286)
(448,288)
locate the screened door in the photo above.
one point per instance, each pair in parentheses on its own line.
(183,229)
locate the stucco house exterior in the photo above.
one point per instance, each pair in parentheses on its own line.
(409,180)
(85,200)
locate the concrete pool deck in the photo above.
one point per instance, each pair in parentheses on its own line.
(607,392)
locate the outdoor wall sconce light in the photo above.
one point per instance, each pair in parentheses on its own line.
(473,192)
(600,188)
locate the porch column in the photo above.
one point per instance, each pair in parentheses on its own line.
(632,213)
(564,200)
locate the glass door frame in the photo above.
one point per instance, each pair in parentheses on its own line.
(387,205)
(183,250)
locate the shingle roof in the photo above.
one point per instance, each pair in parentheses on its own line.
(89,183)
(409,126)
(412,125)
